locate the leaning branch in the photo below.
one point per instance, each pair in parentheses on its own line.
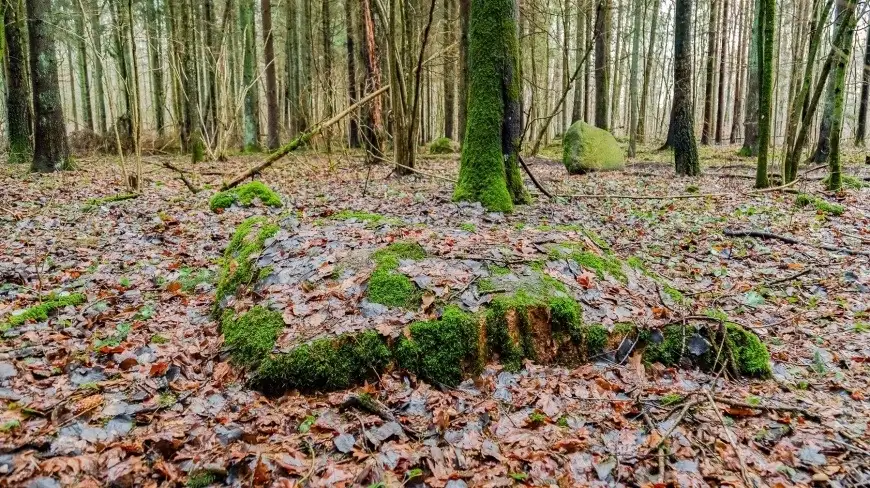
(301,139)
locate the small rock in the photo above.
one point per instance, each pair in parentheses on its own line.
(344,443)
(7,370)
(7,463)
(44,482)
(228,433)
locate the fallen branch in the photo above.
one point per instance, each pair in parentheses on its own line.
(782,408)
(302,139)
(532,177)
(369,404)
(762,234)
(731,440)
(187,183)
(430,175)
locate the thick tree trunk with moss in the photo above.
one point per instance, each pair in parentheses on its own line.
(489,171)
(602,62)
(682,119)
(251,111)
(51,152)
(838,84)
(272,141)
(767,22)
(18,86)
(861,131)
(753,86)
(823,145)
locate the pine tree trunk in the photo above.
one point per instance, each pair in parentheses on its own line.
(602,64)
(122,60)
(82,58)
(709,73)
(251,108)
(635,64)
(191,135)
(721,106)
(579,49)
(647,72)
(72,88)
(753,87)
(616,91)
(861,132)
(372,126)
(153,26)
(97,42)
(738,83)
(50,148)
(350,43)
(449,77)
(685,147)
(326,38)
(566,42)
(587,75)
(464,16)
(18,85)
(272,141)
(291,63)
(209,74)
(489,170)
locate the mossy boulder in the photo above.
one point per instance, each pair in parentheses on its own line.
(587,148)
(299,311)
(244,196)
(443,145)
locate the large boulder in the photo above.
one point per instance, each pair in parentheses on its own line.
(587,148)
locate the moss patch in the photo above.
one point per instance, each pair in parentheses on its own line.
(442,145)
(747,351)
(386,285)
(42,311)
(822,205)
(244,195)
(251,336)
(237,267)
(444,350)
(588,148)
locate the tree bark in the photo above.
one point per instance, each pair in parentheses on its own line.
(721,106)
(18,107)
(449,78)
(767,22)
(579,47)
(489,170)
(153,27)
(753,87)
(648,72)
(635,63)
(684,144)
(838,78)
(51,151)
(372,126)
(738,83)
(861,131)
(82,68)
(272,141)
(464,16)
(602,62)
(709,73)
(350,43)
(251,109)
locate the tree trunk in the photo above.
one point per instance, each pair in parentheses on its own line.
(82,58)
(464,16)
(865,95)
(155,63)
(372,126)
(587,75)
(209,74)
(838,78)
(18,86)
(635,64)
(489,170)
(753,87)
(251,109)
(602,64)
(579,49)
(353,120)
(709,72)
(449,77)
(566,41)
(326,38)
(191,135)
(122,59)
(616,91)
(51,151)
(738,90)
(685,147)
(647,72)
(272,141)
(721,106)
(767,22)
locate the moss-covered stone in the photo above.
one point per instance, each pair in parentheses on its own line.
(326,364)
(444,350)
(244,195)
(252,335)
(587,148)
(748,353)
(237,267)
(42,311)
(665,346)
(386,285)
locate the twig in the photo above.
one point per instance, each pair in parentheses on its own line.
(187,183)
(679,419)
(370,404)
(532,177)
(430,175)
(790,278)
(731,439)
(762,234)
(661,448)
(683,195)
(783,408)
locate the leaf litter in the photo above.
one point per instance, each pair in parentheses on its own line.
(134,387)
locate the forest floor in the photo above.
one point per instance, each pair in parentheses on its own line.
(131,387)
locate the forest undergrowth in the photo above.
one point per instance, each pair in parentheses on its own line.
(113,368)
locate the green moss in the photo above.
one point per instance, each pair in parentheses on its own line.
(386,285)
(442,351)
(368,217)
(326,364)
(190,278)
(747,351)
(244,195)
(42,311)
(487,175)
(566,316)
(468,227)
(237,267)
(848,181)
(441,145)
(636,263)
(601,264)
(200,479)
(499,270)
(822,205)
(589,148)
(251,336)
(594,339)
(508,344)
(669,350)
